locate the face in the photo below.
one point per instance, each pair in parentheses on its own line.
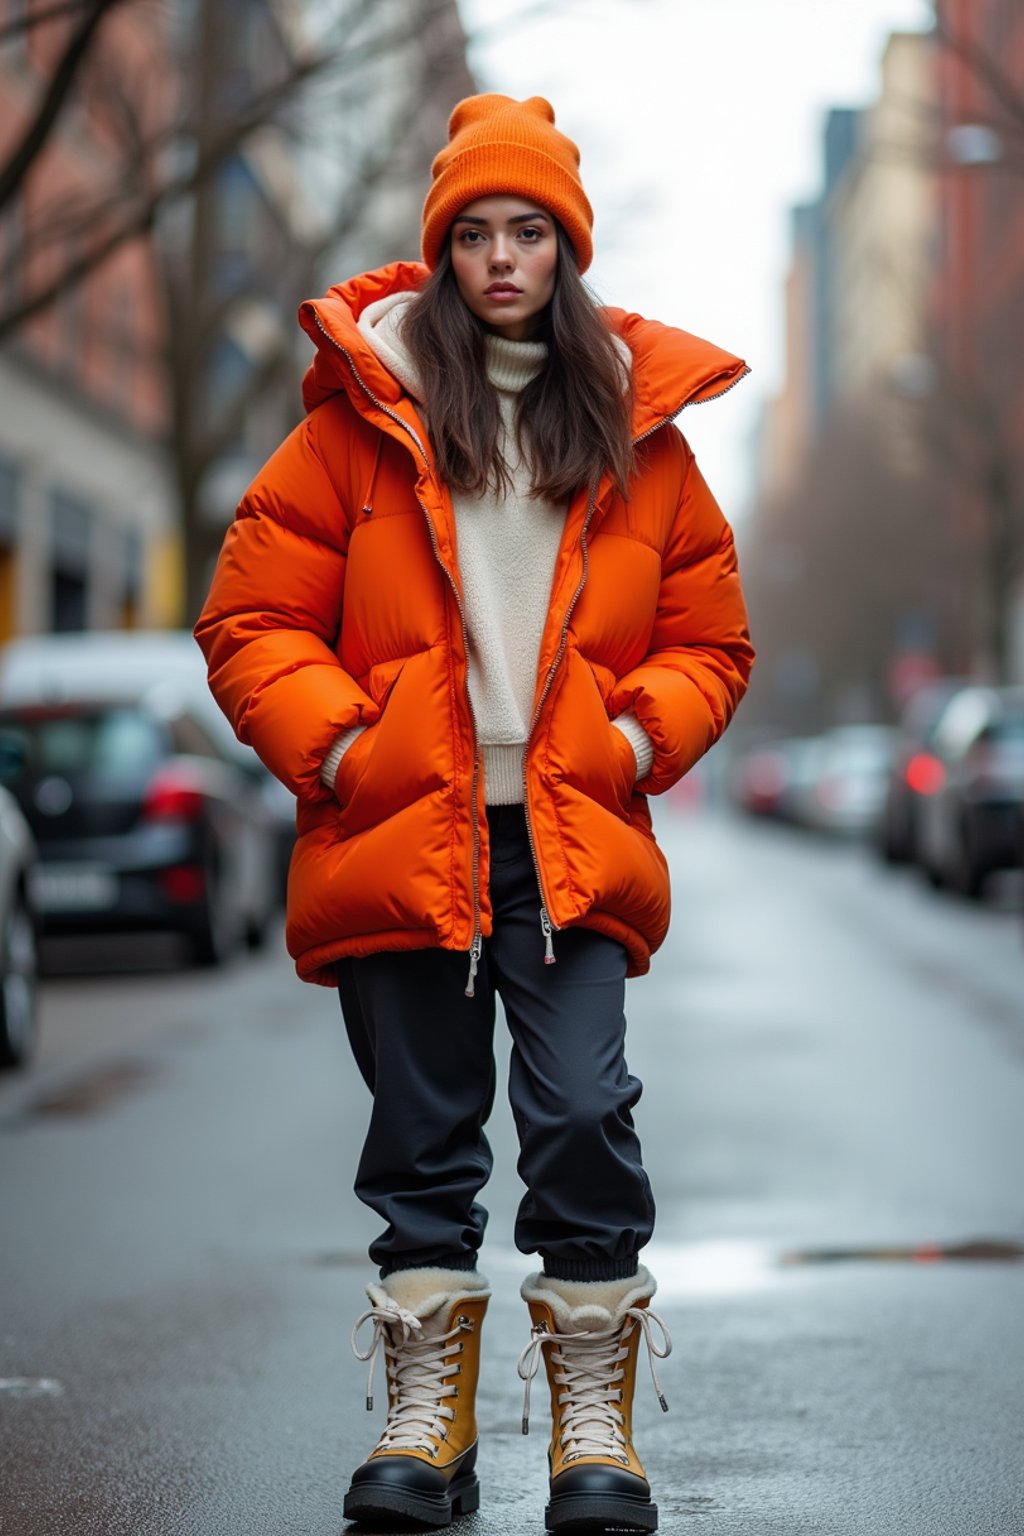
(505,257)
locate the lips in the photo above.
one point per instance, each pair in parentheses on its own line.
(499,288)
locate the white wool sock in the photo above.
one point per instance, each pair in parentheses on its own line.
(427,1291)
(589,1303)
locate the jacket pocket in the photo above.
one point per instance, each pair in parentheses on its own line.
(380,681)
(584,749)
(406,753)
(353,764)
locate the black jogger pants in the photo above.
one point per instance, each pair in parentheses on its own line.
(427,1053)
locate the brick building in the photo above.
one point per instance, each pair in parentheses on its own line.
(978,320)
(135,408)
(86,515)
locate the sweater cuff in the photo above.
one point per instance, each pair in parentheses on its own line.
(332,760)
(643,747)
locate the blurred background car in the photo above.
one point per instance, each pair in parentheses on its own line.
(771,780)
(18,935)
(844,785)
(833,783)
(915,771)
(969,825)
(51,668)
(146,813)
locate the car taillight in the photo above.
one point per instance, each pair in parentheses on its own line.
(924,774)
(173,795)
(184,882)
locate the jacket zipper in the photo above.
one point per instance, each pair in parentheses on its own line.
(549,928)
(476,947)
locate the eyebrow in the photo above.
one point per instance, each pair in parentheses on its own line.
(520,218)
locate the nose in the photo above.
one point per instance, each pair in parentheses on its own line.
(502,254)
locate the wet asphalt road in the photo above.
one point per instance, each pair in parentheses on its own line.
(834,1061)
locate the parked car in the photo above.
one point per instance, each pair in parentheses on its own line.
(843,781)
(915,771)
(52,668)
(759,778)
(18,947)
(772,779)
(969,827)
(141,817)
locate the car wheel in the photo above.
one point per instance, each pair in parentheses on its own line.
(935,876)
(968,876)
(256,932)
(18,992)
(969,873)
(217,932)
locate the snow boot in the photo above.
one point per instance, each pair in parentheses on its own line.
(422,1469)
(588,1334)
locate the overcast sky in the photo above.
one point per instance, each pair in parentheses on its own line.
(699,124)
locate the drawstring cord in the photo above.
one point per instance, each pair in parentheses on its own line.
(368,497)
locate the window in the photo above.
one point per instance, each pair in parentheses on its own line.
(189,737)
(108,743)
(72,536)
(10,487)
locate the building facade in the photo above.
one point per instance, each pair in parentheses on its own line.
(137,405)
(977,317)
(87,524)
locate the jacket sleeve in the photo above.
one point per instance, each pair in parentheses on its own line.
(270,623)
(698,665)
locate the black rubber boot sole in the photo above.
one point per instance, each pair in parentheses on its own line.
(600,1512)
(388,1505)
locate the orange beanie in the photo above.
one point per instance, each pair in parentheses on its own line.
(499,146)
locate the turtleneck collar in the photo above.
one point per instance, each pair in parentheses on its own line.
(511,365)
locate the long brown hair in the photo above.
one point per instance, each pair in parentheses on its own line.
(572,420)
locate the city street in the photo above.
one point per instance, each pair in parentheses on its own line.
(833,1122)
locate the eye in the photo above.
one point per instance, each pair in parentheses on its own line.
(470,237)
(531,233)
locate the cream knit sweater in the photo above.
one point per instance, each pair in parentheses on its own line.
(507,547)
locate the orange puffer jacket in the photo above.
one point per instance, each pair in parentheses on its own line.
(337,601)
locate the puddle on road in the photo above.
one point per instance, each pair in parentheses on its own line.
(984,1250)
(94,1092)
(336,1259)
(30,1386)
(735,1267)
(724,1268)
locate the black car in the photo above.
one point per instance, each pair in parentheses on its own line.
(915,771)
(969,827)
(18,991)
(141,822)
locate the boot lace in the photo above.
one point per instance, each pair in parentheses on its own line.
(588,1367)
(419,1369)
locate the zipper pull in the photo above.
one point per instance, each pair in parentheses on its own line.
(549,943)
(474,961)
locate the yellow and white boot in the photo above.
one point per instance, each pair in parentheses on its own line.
(588,1334)
(423,1467)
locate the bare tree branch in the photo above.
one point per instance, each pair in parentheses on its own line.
(30,20)
(138,219)
(375,165)
(76,50)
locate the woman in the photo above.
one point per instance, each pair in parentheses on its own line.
(475,609)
